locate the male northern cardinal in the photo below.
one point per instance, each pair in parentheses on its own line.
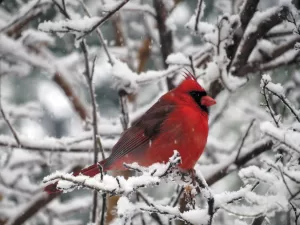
(177,121)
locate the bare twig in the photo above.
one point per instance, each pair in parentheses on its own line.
(192,65)
(155,216)
(124,110)
(268,104)
(102,218)
(199,9)
(12,130)
(244,138)
(96,138)
(284,181)
(210,199)
(297,215)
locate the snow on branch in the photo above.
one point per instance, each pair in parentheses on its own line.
(76,26)
(129,81)
(79,144)
(24,15)
(260,24)
(193,23)
(80,27)
(130,7)
(151,176)
(288,138)
(277,90)
(15,49)
(114,10)
(196,216)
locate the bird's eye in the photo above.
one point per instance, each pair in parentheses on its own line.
(197,95)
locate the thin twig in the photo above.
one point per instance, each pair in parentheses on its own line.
(138,195)
(124,110)
(61,10)
(155,216)
(89,79)
(244,138)
(39,146)
(297,215)
(104,19)
(102,218)
(64,4)
(284,181)
(12,130)
(192,65)
(99,33)
(199,9)
(268,105)
(210,199)
(283,99)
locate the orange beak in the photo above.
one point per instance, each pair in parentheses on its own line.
(208,101)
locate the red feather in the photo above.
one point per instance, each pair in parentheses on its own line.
(176,122)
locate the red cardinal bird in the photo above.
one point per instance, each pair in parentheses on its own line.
(178,121)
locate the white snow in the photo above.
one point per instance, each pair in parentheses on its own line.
(125,79)
(253,172)
(14,48)
(177,58)
(289,138)
(203,27)
(73,26)
(33,37)
(196,217)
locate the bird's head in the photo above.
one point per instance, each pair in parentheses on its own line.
(191,88)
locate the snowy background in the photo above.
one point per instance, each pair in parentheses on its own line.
(74,74)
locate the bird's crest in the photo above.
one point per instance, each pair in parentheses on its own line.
(189,76)
(190,83)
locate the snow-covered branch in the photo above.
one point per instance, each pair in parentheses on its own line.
(261,23)
(117,186)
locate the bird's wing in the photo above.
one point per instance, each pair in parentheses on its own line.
(146,129)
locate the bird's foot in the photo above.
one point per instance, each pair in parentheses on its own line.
(189,176)
(192,173)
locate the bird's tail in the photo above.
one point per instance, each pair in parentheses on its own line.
(90,171)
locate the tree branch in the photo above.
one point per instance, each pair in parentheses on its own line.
(250,38)
(12,130)
(104,19)
(252,151)
(276,52)
(166,38)
(246,14)
(79,107)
